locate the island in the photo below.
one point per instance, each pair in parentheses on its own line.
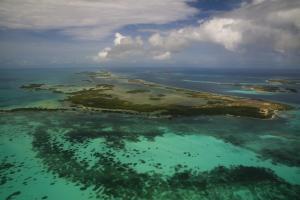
(284,81)
(107,92)
(269,89)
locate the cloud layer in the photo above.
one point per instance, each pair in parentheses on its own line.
(89,19)
(259,26)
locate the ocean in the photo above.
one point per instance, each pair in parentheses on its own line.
(57,155)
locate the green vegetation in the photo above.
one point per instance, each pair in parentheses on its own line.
(160,100)
(212,102)
(137,91)
(94,98)
(245,111)
(155,98)
(284,81)
(105,86)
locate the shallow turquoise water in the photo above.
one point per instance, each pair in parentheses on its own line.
(73,155)
(248,92)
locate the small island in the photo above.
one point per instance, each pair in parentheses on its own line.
(270,89)
(284,81)
(32,86)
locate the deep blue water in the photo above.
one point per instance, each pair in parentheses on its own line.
(211,80)
(12,79)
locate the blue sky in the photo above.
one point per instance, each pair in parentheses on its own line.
(179,33)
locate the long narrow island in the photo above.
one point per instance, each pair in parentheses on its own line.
(108,92)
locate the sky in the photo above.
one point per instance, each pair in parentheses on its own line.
(156,33)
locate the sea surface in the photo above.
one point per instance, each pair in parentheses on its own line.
(82,155)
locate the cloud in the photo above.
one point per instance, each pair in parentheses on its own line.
(217,30)
(260,26)
(273,24)
(104,53)
(89,19)
(163,56)
(160,47)
(124,46)
(220,31)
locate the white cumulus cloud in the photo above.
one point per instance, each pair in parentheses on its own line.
(123,46)
(89,19)
(163,56)
(262,25)
(259,26)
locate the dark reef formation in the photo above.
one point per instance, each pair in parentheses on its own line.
(59,141)
(120,180)
(114,139)
(4,168)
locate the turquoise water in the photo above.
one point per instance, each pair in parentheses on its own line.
(82,155)
(251,92)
